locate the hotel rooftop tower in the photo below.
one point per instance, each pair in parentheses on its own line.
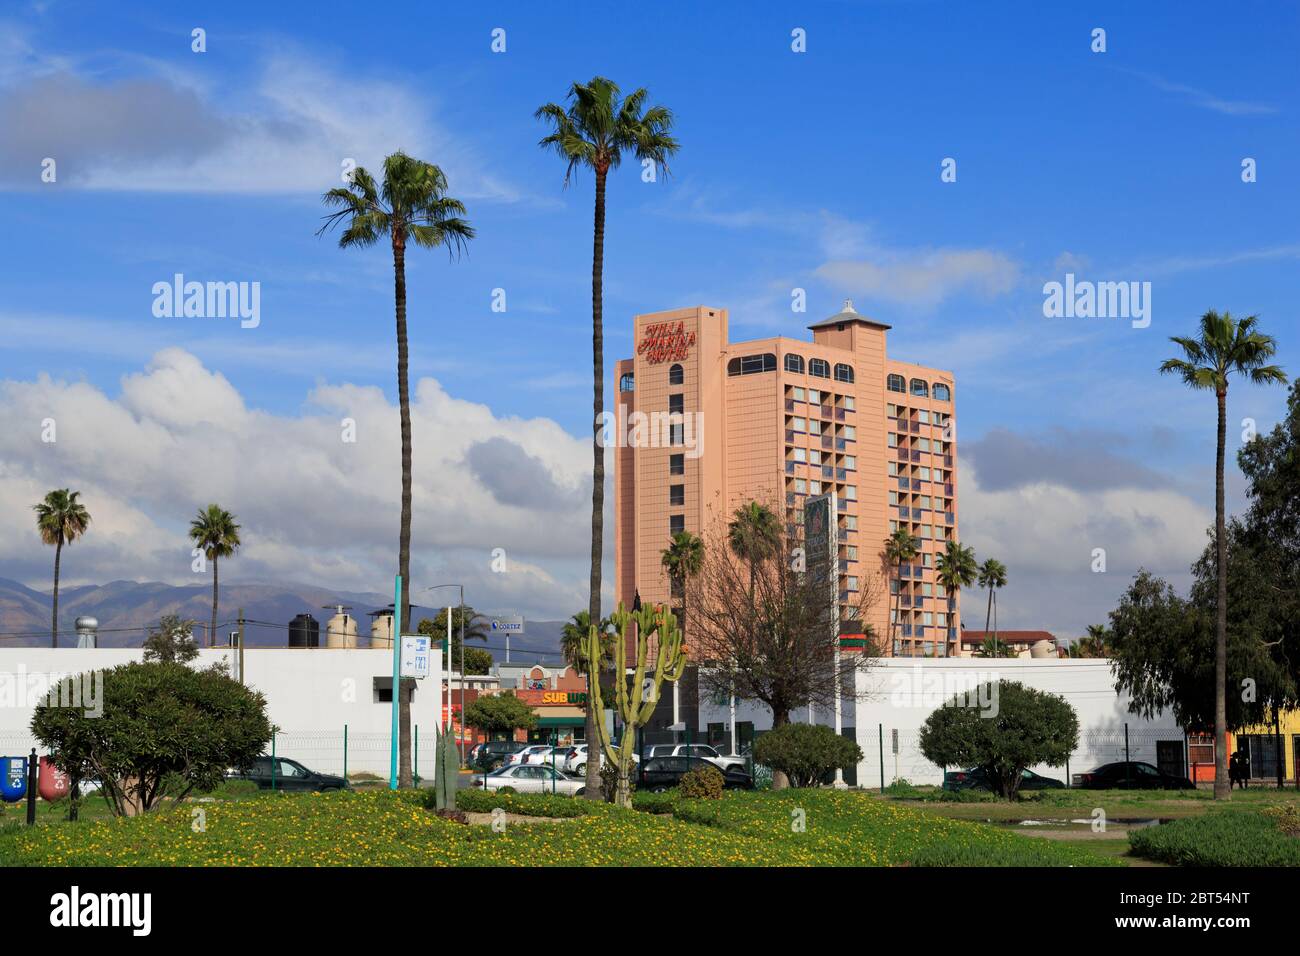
(778,420)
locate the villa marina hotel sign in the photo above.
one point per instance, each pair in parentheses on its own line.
(665,342)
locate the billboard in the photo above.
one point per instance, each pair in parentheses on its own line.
(822,545)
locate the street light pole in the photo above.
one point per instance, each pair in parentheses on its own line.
(461,588)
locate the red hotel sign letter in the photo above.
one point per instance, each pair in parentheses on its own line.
(665,342)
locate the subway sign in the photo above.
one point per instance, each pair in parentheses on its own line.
(563,698)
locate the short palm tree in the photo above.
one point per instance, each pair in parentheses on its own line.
(1094,645)
(993,576)
(753,534)
(60,520)
(955,568)
(216,534)
(991,648)
(682,560)
(901,547)
(594,131)
(411,205)
(1223,346)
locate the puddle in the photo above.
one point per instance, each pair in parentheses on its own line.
(1133,823)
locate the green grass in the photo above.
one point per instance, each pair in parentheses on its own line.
(786,828)
(1222,837)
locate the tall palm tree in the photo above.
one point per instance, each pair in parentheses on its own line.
(901,548)
(411,205)
(1222,347)
(60,520)
(682,560)
(594,131)
(955,569)
(754,534)
(992,575)
(215,532)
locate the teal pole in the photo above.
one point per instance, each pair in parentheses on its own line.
(882,758)
(416,767)
(397,630)
(345,751)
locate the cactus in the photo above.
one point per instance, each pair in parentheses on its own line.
(633,704)
(446,765)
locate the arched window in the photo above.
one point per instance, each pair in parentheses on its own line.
(920,388)
(942,393)
(794,363)
(843,372)
(627,382)
(819,367)
(897,383)
(751,364)
(675,375)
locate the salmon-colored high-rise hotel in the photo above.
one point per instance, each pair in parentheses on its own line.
(778,420)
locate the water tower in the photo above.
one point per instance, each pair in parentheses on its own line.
(341,630)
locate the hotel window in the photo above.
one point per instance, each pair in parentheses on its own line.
(927,588)
(814,487)
(676,434)
(627,382)
(851,463)
(850,433)
(849,404)
(893,497)
(675,404)
(942,393)
(794,363)
(814,396)
(919,387)
(926,559)
(892,440)
(800,454)
(853,583)
(925,502)
(843,372)
(798,393)
(814,427)
(752,364)
(925,473)
(927,618)
(893,526)
(814,456)
(676,494)
(943,618)
(676,524)
(892,467)
(897,383)
(800,486)
(799,424)
(676,464)
(675,375)
(819,367)
(923,444)
(852,552)
(851,522)
(850,492)
(923,417)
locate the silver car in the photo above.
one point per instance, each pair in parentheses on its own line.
(530,778)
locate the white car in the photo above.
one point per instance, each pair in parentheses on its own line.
(698,751)
(576,762)
(532,754)
(527,778)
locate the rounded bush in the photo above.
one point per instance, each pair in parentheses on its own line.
(806,753)
(702,783)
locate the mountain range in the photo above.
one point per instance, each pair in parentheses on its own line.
(126,610)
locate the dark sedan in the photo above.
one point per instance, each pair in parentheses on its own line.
(1133,775)
(663,773)
(976,779)
(289,776)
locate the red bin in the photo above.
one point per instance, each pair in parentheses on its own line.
(51,782)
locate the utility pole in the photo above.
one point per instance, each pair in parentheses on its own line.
(241,645)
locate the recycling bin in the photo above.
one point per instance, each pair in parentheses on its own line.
(13,779)
(51,782)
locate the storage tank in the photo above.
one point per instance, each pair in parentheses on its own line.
(1041,649)
(381,629)
(304,631)
(341,631)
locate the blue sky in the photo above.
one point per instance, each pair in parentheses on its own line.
(817,170)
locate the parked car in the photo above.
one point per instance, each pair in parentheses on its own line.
(663,773)
(289,775)
(576,761)
(1131,775)
(527,778)
(530,754)
(701,751)
(976,779)
(493,754)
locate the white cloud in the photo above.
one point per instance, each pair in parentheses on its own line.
(314,508)
(923,277)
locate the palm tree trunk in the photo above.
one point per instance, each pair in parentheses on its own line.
(1222,786)
(597,457)
(404,535)
(54,614)
(212,631)
(893,621)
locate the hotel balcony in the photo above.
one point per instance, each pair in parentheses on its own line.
(951,517)
(947,489)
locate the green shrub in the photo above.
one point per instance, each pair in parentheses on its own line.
(806,753)
(903,789)
(524,804)
(655,802)
(702,783)
(1218,838)
(1287,817)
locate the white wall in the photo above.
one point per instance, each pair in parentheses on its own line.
(902,692)
(311,693)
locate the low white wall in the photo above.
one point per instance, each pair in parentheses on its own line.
(311,694)
(900,693)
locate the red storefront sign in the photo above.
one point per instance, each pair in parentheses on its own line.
(665,342)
